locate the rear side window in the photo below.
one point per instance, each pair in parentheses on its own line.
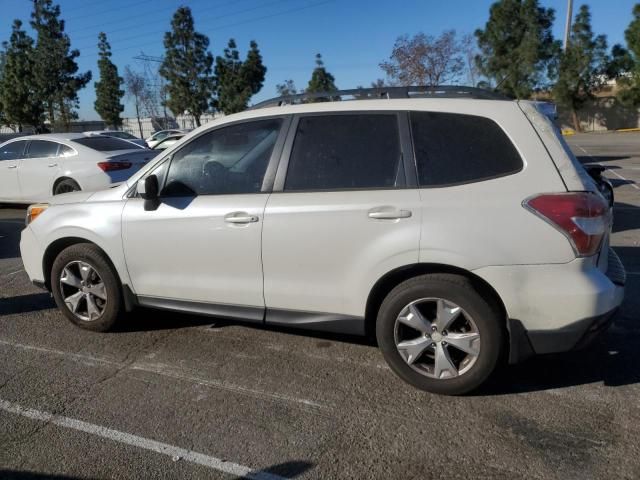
(106,144)
(13,150)
(453,149)
(42,149)
(338,152)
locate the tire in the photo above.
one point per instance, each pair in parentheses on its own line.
(97,298)
(65,186)
(477,326)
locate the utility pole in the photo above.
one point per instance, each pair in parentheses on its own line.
(567,27)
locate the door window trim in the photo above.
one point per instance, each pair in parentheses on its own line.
(404,142)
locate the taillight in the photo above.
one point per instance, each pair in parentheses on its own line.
(111,166)
(581,216)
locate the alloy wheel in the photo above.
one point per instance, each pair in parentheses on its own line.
(437,338)
(83,291)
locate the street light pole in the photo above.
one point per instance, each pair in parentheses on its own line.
(567,27)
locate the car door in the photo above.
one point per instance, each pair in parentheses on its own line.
(199,248)
(38,170)
(10,155)
(343,213)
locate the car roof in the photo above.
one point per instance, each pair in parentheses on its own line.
(51,136)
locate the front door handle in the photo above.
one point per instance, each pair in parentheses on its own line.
(53,164)
(240,217)
(387,213)
(12,166)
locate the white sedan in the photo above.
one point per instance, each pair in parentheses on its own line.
(157,137)
(35,167)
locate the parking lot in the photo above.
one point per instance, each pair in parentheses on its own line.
(171,395)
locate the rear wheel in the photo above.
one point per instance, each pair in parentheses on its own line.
(85,287)
(66,186)
(439,334)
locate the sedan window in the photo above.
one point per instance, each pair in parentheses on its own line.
(13,150)
(106,144)
(42,149)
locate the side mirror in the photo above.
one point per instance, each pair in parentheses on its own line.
(148,189)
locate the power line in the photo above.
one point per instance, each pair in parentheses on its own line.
(222,27)
(133,37)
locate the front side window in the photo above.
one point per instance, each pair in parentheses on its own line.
(452,149)
(42,149)
(228,160)
(341,152)
(13,150)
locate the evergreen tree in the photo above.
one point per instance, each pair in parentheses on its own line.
(236,80)
(629,95)
(581,69)
(321,81)
(187,67)
(108,93)
(55,71)
(516,46)
(18,97)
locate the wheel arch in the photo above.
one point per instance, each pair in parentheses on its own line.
(391,279)
(62,179)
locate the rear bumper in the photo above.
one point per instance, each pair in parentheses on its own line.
(557,308)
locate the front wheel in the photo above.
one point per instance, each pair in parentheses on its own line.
(439,334)
(86,288)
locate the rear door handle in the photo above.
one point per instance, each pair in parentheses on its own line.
(12,166)
(388,213)
(53,164)
(240,217)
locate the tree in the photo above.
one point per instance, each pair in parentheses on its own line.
(236,80)
(469,51)
(516,46)
(108,93)
(18,97)
(424,60)
(55,66)
(321,81)
(627,63)
(581,68)
(187,67)
(287,88)
(136,88)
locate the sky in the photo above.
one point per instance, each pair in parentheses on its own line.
(353,36)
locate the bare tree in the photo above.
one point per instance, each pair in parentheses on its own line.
(424,60)
(469,49)
(287,88)
(136,87)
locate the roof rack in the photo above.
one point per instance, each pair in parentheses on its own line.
(442,91)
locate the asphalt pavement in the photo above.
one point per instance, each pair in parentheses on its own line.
(177,396)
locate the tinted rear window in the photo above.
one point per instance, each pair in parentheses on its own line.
(42,149)
(453,149)
(337,152)
(106,144)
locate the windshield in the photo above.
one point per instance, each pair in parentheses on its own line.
(106,144)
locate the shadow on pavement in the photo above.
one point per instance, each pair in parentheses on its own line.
(625,217)
(32,302)
(16,475)
(601,158)
(10,229)
(284,470)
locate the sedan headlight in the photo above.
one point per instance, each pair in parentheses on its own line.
(34,211)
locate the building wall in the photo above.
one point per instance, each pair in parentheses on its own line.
(602,114)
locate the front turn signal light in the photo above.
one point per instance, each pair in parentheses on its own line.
(34,211)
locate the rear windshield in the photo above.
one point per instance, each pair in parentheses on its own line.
(106,144)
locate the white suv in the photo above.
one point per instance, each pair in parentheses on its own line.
(460,231)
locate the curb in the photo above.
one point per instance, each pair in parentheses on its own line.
(628,130)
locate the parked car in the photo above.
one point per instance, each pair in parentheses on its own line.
(157,137)
(35,167)
(167,141)
(460,231)
(119,134)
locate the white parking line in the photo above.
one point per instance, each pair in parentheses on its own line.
(139,442)
(612,171)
